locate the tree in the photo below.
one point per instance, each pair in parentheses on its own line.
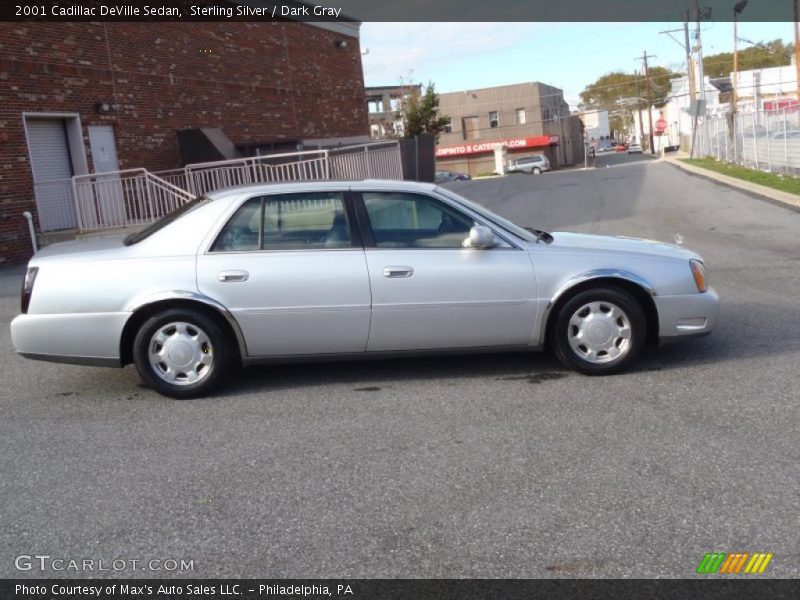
(620,92)
(758,55)
(421,112)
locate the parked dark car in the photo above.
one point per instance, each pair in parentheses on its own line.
(445,176)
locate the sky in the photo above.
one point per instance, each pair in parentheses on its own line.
(463,56)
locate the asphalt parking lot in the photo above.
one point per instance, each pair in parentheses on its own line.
(484,466)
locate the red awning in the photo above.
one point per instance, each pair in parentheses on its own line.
(538,141)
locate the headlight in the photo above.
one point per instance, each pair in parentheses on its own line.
(27,288)
(699,274)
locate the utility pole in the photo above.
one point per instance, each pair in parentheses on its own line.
(700,53)
(639,106)
(796,46)
(689,59)
(689,63)
(645,56)
(736,12)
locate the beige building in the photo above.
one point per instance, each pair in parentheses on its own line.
(524,118)
(385,109)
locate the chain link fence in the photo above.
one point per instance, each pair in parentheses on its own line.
(768,140)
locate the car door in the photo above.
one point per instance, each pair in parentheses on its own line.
(292,271)
(428,291)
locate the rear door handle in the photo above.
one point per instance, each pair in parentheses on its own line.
(396,272)
(232,276)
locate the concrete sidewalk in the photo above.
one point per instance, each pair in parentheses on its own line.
(785,198)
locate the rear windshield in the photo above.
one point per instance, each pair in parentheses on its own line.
(176,214)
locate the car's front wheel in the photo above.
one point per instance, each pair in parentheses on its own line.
(599,331)
(181,353)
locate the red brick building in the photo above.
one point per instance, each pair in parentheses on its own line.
(75,95)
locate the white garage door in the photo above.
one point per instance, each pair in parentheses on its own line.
(52,170)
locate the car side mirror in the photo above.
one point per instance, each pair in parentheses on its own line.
(480,237)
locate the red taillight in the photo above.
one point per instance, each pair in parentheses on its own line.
(27,288)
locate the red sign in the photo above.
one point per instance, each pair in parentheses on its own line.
(661,125)
(480,147)
(781,103)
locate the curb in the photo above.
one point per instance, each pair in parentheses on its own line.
(785,198)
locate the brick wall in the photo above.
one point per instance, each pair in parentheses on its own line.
(258,82)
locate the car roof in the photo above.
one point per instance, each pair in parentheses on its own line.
(290,187)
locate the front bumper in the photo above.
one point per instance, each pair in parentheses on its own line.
(692,314)
(85,338)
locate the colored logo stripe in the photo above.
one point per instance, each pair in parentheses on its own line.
(758,563)
(734,562)
(711,562)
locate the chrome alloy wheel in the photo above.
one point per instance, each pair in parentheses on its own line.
(600,332)
(181,353)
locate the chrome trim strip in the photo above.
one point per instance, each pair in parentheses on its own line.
(583,277)
(89,361)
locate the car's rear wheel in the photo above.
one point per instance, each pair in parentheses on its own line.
(536,171)
(599,331)
(181,353)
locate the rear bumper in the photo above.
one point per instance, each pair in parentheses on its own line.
(86,339)
(681,316)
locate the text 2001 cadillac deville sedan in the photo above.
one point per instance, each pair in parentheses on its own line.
(281,272)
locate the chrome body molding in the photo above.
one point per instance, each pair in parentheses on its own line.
(140,303)
(588,276)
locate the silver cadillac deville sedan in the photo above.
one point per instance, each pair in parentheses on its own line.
(279,272)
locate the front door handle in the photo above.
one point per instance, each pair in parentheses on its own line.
(232,276)
(396,272)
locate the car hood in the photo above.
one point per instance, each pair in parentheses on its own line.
(603,243)
(90,245)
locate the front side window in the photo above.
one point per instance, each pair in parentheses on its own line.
(287,222)
(402,220)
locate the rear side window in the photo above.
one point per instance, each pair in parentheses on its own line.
(145,233)
(287,222)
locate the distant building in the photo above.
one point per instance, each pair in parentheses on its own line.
(524,119)
(773,88)
(385,109)
(595,124)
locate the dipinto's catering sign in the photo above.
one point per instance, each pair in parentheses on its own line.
(512,144)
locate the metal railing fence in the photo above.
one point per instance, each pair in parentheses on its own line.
(138,196)
(765,140)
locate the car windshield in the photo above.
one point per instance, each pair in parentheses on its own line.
(491,217)
(137,237)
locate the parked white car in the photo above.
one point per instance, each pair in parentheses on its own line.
(278,272)
(532,165)
(635,148)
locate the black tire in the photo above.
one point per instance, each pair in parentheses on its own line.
(605,296)
(218,347)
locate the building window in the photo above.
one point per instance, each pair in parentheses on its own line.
(398,128)
(395,104)
(448,126)
(375,105)
(494,119)
(520,116)
(469,126)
